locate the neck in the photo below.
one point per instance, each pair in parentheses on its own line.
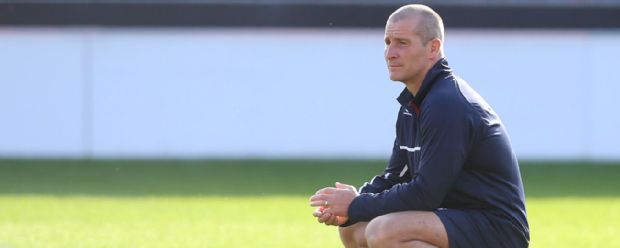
(414,84)
(413,87)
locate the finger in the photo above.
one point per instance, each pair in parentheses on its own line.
(318,203)
(318,197)
(333,211)
(325,217)
(321,191)
(321,199)
(317,213)
(332,221)
(321,218)
(328,190)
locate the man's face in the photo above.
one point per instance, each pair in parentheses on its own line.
(405,55)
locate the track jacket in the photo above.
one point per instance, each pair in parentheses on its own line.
(451,151)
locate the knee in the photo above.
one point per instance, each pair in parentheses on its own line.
(376,234)
(360,238)
(410,228)
(353,236)
(346,234)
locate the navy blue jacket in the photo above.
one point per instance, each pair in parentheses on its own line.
(451,151)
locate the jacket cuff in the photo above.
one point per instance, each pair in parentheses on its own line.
(355,211)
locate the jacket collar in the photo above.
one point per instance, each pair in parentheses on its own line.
(406,99)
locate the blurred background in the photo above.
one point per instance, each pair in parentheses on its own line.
(278,78)
(209,123)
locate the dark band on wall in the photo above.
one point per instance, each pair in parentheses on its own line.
(294,15)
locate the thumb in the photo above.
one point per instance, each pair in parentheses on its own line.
(345,186)
(340,185)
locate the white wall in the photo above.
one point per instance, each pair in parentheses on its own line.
(286,93)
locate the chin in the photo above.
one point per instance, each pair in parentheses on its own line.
(395,78)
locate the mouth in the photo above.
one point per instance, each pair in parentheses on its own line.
(394,66)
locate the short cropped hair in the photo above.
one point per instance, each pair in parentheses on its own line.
(430,24)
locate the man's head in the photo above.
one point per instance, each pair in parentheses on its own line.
(413,43)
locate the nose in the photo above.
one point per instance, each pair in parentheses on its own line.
(390,52)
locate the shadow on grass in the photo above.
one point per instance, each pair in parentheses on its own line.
(260,177)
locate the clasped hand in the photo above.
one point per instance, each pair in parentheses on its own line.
(333,204)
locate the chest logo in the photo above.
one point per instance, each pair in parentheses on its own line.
(409,149)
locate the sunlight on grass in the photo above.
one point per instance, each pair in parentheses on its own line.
(40,221)
(254,203)
(276,221)
(574,222)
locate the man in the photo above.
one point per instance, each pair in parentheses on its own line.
(453,179)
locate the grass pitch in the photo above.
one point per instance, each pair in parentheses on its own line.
(253,203)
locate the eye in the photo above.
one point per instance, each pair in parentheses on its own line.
(387,42)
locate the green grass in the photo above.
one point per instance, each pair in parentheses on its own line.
(253,203)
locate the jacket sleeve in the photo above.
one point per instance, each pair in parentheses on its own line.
(447,131)
(395,172)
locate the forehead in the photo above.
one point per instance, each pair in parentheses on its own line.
(402,28)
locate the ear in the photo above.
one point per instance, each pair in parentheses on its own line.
(434,47)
